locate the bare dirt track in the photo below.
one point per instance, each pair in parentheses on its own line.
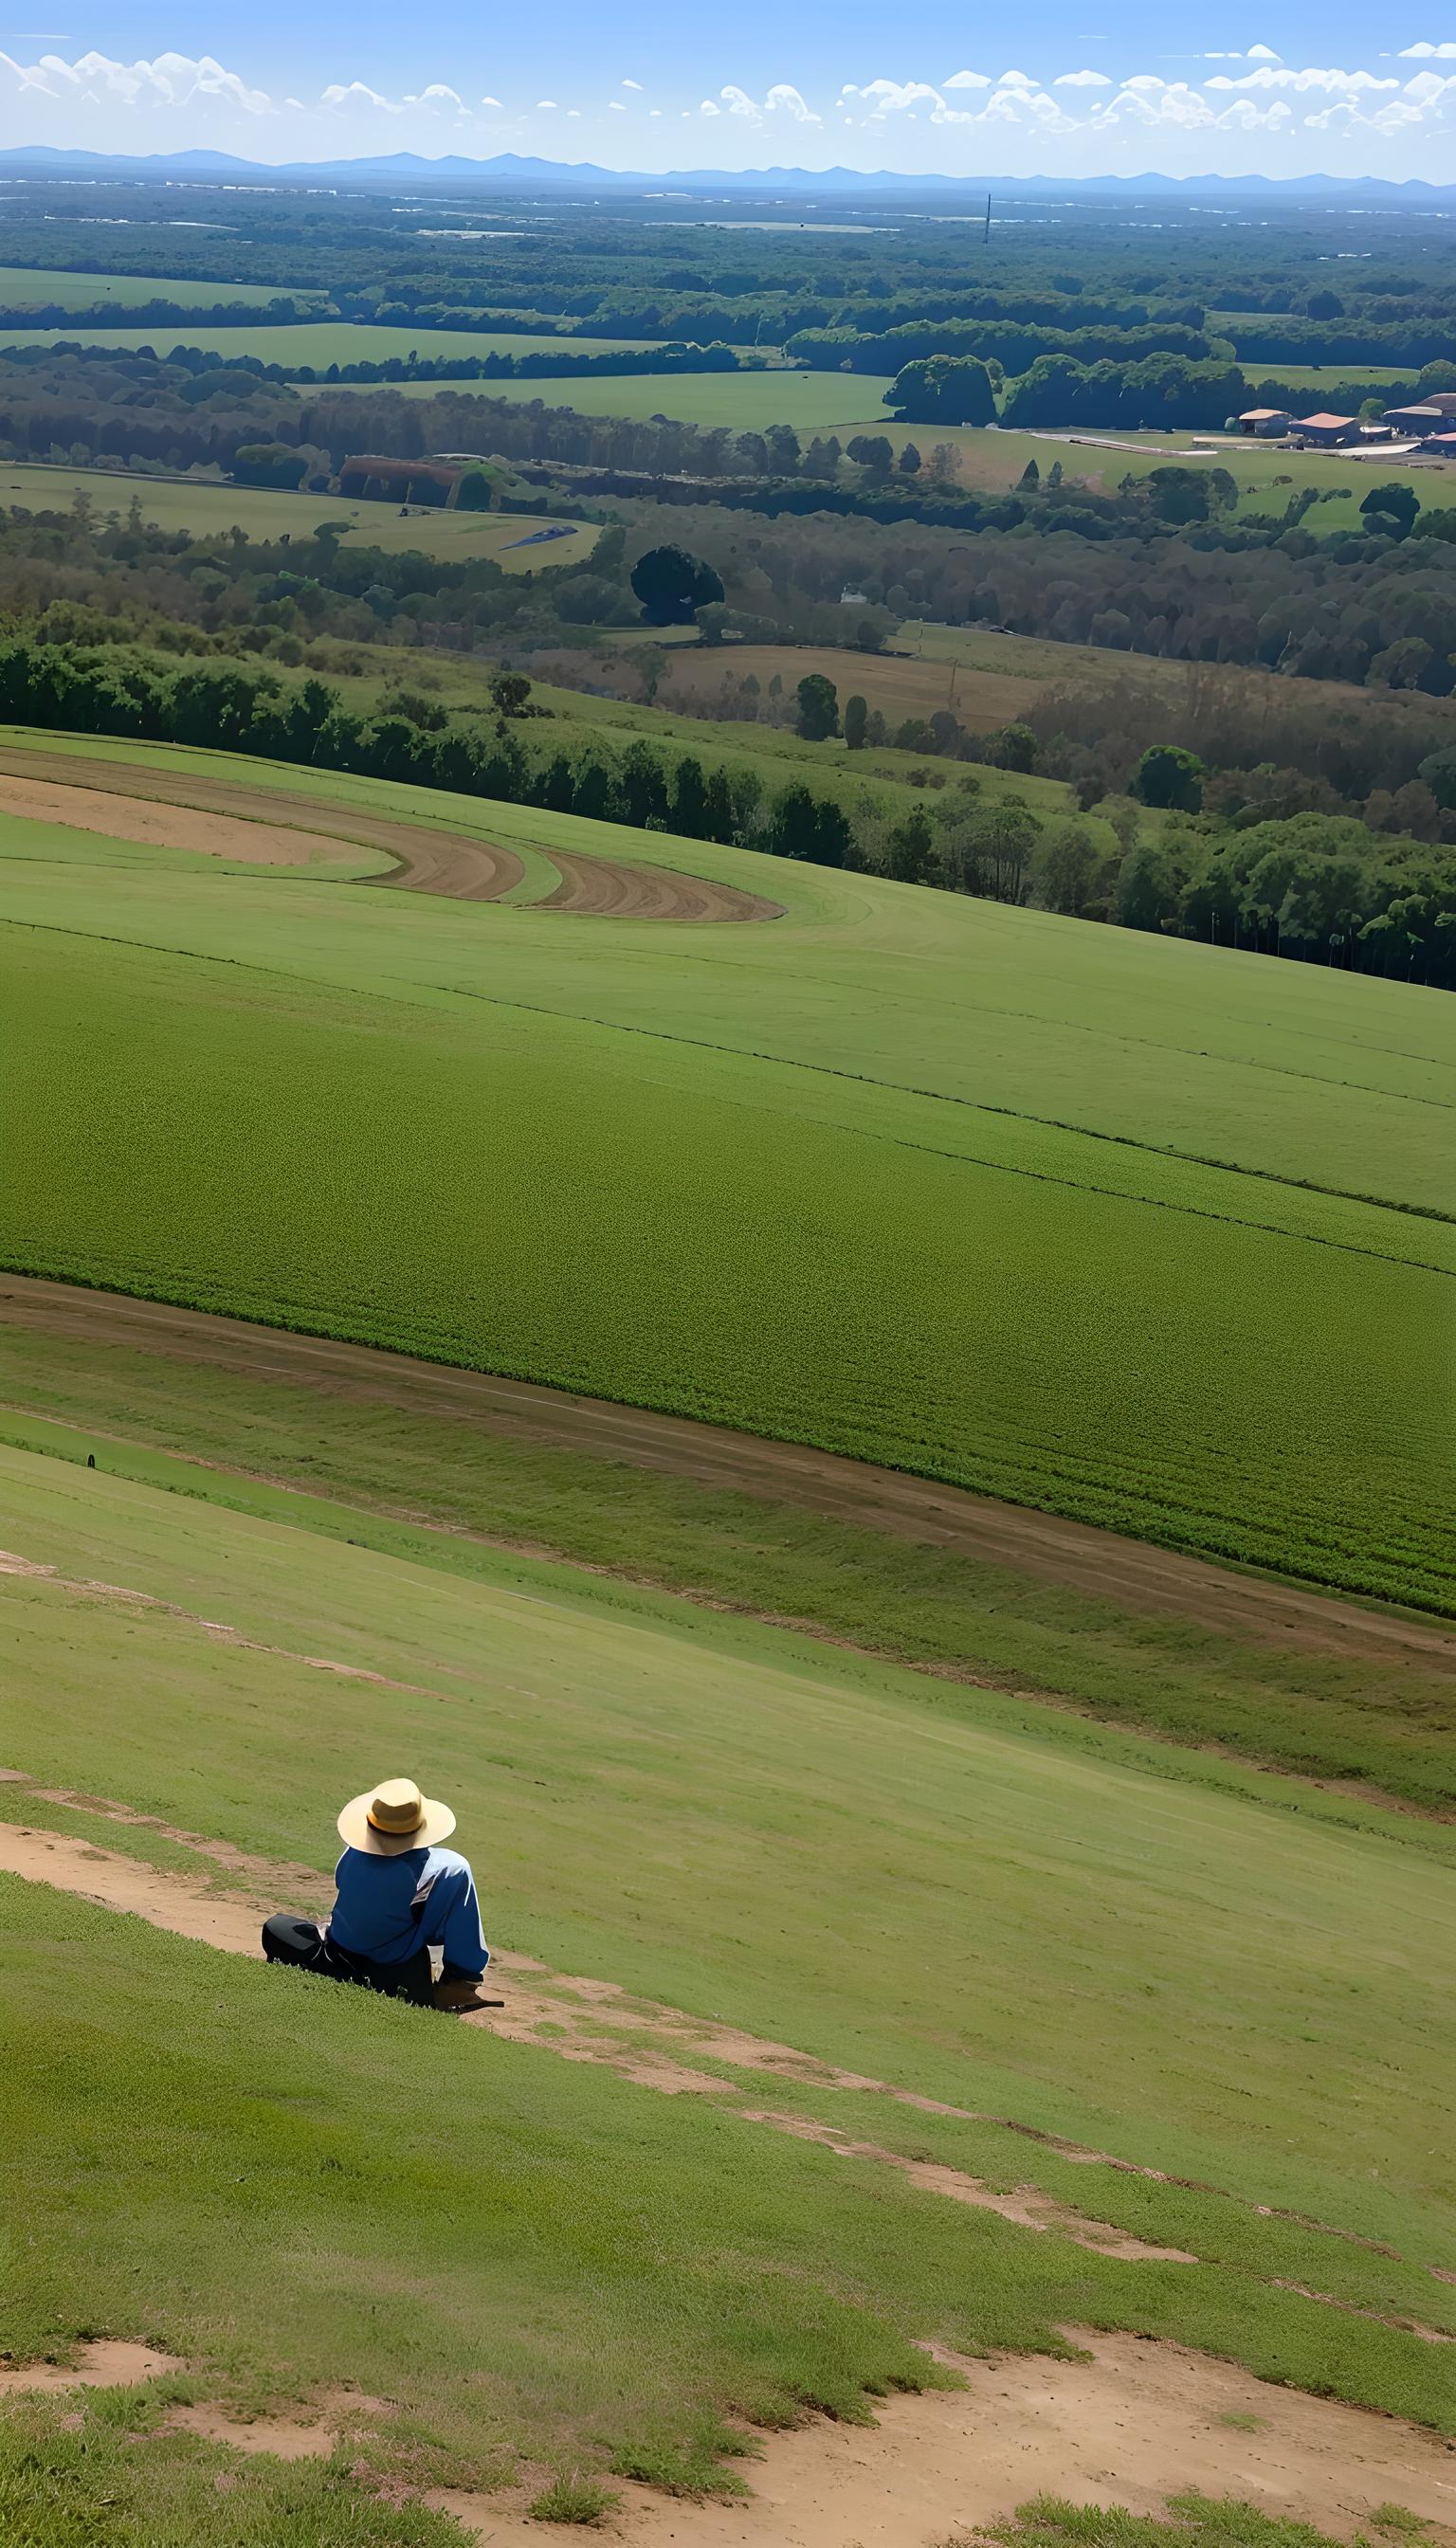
(486,870)
(271,826)
(1099,1563)
(168,827)
(615,889)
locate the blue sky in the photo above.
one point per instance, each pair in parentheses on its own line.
(1073,88)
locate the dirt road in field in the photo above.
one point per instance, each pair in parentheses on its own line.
(615,889)
(133,792)
(167,827)
(1099,1563)
(1132,2423)
(236,819)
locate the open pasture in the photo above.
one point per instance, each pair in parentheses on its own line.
(204,510)
(745,402)
(1105,1236)
(23,286)
(900,686)
(319,343)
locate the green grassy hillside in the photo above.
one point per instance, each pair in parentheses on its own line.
(716,1814)
(1071,1215)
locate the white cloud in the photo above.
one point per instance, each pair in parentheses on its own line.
(437,95)
(357,93)
(1149,101)
(784,99)
(637,84)
(968,79)
(708,108)
(615,106)
(738,102)
(897,97)
(493,101)
(1014,79)
(1428,53)
(1082,79)
(1334,83)
(1263,53)
(1243,116)
(547,106)
(169,80)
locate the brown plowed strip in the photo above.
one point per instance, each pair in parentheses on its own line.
(484,871)
(165,827)
(427,859)
(615,889)
(1099,1563)
(582,2017)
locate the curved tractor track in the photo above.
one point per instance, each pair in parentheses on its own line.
(277,827)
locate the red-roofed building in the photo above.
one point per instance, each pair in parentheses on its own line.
(1328,432)
(1269,423)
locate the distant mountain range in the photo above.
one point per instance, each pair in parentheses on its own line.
(510,169)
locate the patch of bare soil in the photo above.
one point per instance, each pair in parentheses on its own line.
(105,2363)
(482,871)
(1137,2421)
(580,2019)
(615,889)
(282,2437)
(129,818)
(1098,1564)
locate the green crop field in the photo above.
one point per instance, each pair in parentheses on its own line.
(320,343)
(1111,1226)
(34,286)
(839,402)
(925,1888)
(203,509)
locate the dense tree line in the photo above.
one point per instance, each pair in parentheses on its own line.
(1308,887)
(1012,344)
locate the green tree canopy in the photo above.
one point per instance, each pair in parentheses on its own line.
(670,586)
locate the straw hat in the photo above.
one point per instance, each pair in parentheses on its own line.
(393,1817)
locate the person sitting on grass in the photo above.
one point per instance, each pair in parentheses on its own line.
(399,1893)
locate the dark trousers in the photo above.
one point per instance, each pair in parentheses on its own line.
(288,1940)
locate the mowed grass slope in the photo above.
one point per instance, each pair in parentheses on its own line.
(713,1814)
(920,1179)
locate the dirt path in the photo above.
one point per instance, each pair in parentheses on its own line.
(1134,2423)
(1098,1564)
(581,2018)
(166,826)
(126,801)
(488,869)
(615,889)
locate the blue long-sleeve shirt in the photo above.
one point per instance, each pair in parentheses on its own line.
(387,1907)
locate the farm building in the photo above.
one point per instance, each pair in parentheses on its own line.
(1327,431)
(401,482)
(1271,423)
(1442,447)
(1428,417)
